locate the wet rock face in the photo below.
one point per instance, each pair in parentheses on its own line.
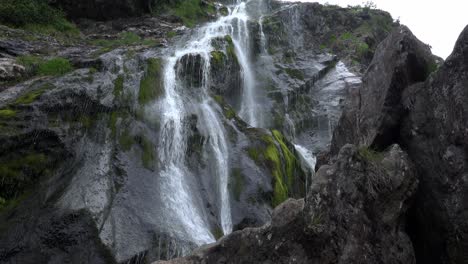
(373,114)
(435,132)
(356,200)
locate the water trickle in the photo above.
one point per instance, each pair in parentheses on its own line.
(308,159)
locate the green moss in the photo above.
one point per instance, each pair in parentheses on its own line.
(118,86)
(148,155)
(171,34)
(288,156)
(254,154)
(86,121)
(123,39)
(218,232)
(38,66)
(18,173)
(370,155)
(230,49)
(113,123)
(33,95)
(219,99)
(192,12)
(7,113)
(151,86)
(55,67)
(238,184)
(217,58)
(230,113)
(295,73)
(126,140)
(224,11)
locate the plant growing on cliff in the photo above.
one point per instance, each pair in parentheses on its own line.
(34,14)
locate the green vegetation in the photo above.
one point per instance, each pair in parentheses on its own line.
(295,73)
(151,85)
(33,95)
(7,113)
(171,34)
(38,66)
(18,173)
(126,140)
(217,58)
(238,184)
(123,39)
(191,12)
(281,162)
(55,67)
(148,156)
(230,49)
(288,156)
(218,232)
(118,86)
(35,15)
(370,155)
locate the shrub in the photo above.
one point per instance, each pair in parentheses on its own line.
(55,67)
(35,14)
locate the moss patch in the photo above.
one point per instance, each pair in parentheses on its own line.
(18,173)
(295,73)
(192,12)
(118,86)
(238,183)
(33,95)
(7,113)
(38,66)
(126,140)
(55,67)
(275,155)
(370,155)
(123,39)
(217,58)
(151,86)
(148,156)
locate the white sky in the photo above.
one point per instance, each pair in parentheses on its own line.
(437,23)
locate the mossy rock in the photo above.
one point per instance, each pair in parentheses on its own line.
(32,96)
(151,85)
(275,154)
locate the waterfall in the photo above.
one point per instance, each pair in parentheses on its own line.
(184,209)
(263,48)
(248,110)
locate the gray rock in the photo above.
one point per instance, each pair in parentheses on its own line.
(354,213)
(10,70)
(435,134)
(374,112)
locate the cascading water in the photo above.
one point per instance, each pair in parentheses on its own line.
(181,204)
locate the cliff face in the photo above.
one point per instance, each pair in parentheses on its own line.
(145,139)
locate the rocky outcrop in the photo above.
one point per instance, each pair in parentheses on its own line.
(373,113)
(396,104)
(354,213)
(435,134)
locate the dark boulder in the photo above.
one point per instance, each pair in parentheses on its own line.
(374,112)
(435,134)
(353,214)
